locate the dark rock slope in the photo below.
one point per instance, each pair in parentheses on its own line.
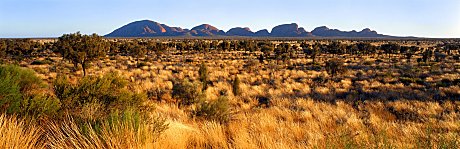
(147,28)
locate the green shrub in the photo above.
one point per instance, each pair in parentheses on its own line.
(186,92)
(109,91)
(43,104)
(62,88)
(10,96)
(218,110)
(23,93)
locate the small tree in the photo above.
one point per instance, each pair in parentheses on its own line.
(203,72)
(439,56)
(236,86)
(390,48)
(261,58)
(180,46)
(312,52)
(2,49)
(138,51)
(267,49)
(410,52)
(364,47)
(427,54)
(225,45)
(81,49)
(334,66)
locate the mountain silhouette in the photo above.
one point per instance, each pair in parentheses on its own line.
(206,30)
(324,31)
(289,30)
(239,31)
(262,33)
(148,28)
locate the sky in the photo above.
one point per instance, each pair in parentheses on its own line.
(52,18)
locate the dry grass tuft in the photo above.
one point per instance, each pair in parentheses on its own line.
(18,134)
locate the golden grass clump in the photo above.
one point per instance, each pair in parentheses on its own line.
(18,134)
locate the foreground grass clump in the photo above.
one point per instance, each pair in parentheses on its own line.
(125,130)
(16,133)
(23,93)
(128,129)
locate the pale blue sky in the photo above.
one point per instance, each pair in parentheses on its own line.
(52,18)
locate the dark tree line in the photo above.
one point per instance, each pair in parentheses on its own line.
(138,48)
(19,49)
(82,49)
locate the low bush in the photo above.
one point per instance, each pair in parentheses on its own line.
(96,95)
(319,80)
(218,110)
(368,62)
(408,80)
(186,92)
(141,64)
(251,65)
(158,93)
(41,62)
(445,83)
(315,66)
